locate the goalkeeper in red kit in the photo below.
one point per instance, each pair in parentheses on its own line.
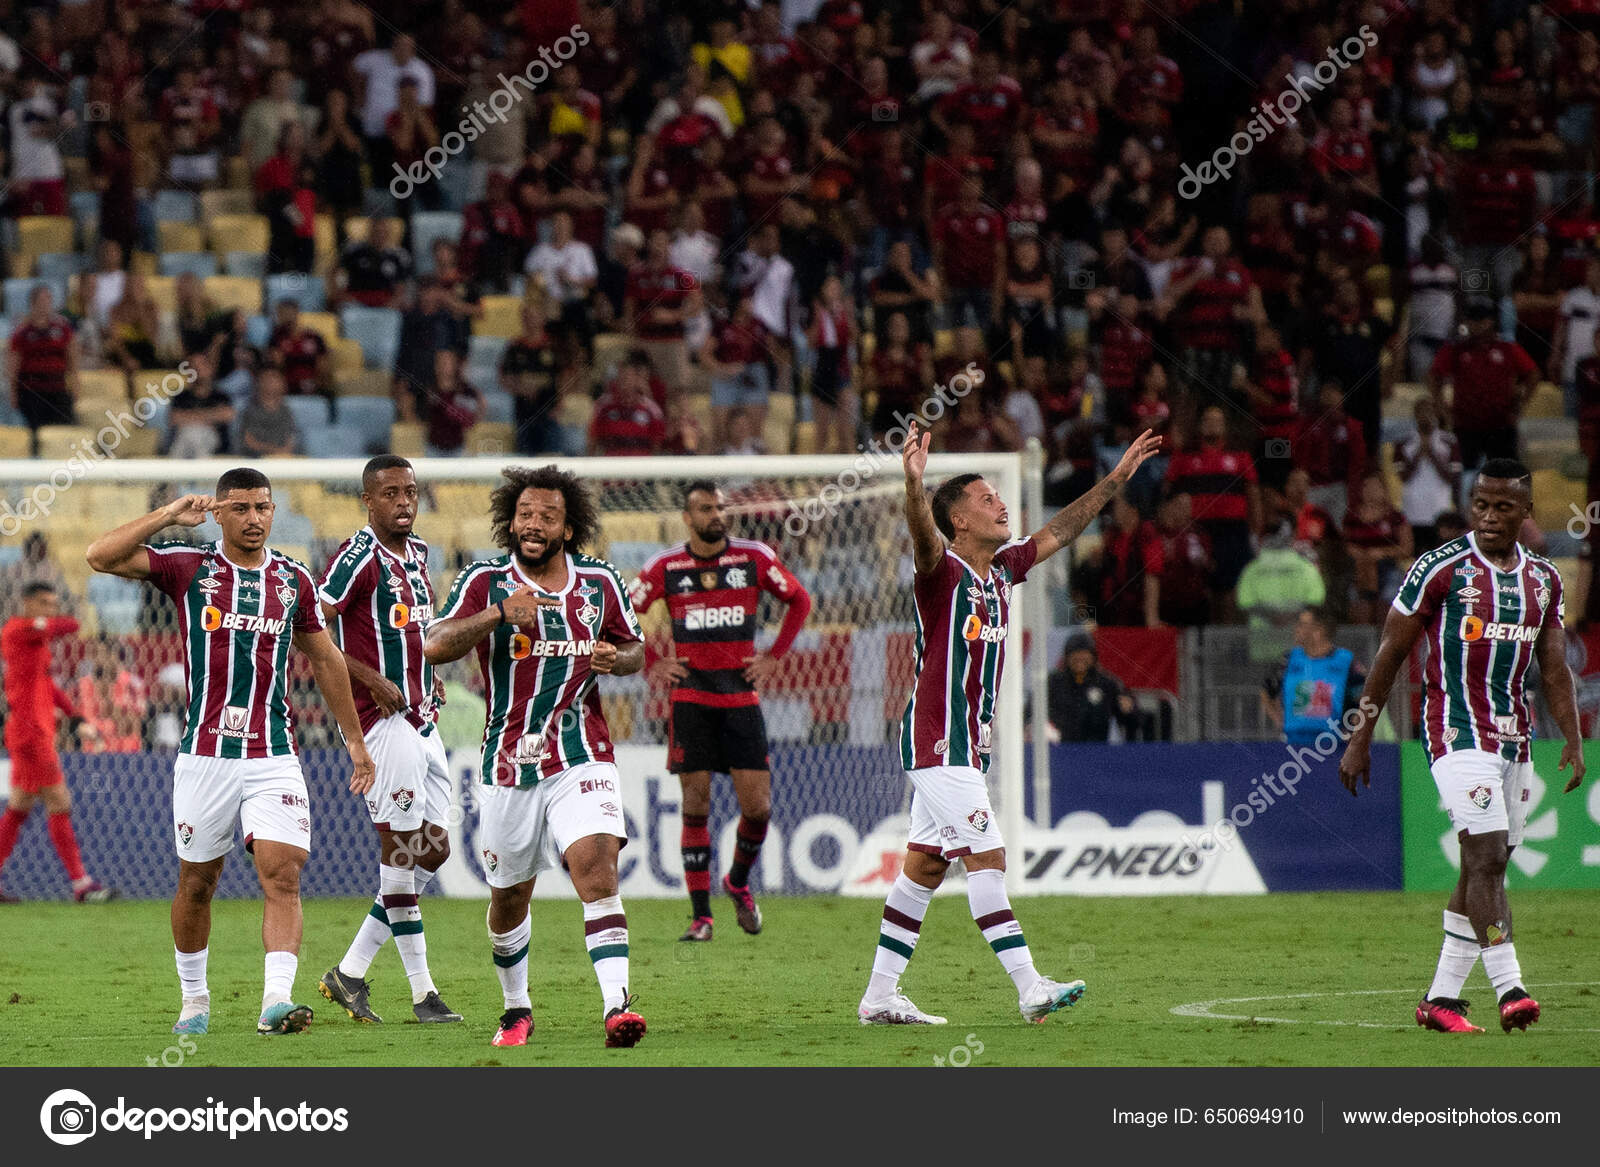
(31,735)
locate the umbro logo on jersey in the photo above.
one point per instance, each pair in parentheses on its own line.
(1469,593)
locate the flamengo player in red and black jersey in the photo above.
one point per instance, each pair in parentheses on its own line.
(377,599)
(963,596)
(712,584)
(240,606)
(33,699)
(1488,608)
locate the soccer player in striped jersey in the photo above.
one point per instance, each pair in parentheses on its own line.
(966,565)
(713,585)
(547,622)
(1488,608)
(240,606)
(378,599)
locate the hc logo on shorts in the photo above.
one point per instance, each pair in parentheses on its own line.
(590,785)
(1480,797)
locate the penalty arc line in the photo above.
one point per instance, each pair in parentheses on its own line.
(1203,1009)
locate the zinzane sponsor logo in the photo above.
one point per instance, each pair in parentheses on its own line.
(727,616)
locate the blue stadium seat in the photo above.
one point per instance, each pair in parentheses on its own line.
(63,265)
(377,330)
(18,289)
(245,263)
(288,527)
(373,416)
(335,441)
(201,263)
(499,405)
(258,330)
(427,226)
(308,291)
(176,206)
(310,413)
(84,206)
(116,603)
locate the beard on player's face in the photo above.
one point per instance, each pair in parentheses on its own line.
(712,531)
(536,546)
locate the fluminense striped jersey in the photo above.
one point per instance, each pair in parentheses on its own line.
(961,649)
(1481,626)
(237,624)
(544,705)
(384,602)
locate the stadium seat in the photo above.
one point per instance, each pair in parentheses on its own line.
(308,291)
(484,352)
(324,324)
(502,316)
(377,330)
(164,291)
(498,405)
(144,263)
(258,330)
(201,263)
(334,441)
(16,441)
(326,236)
(575,411)
(491,438)
(216,203)
(62,266)
(406,438)
(781,407)
(1545,402)
(357,381)
(428,226)
(609,350)
(235,292)
(631,527)
(348,357)
(103,384)
(84,207)
(239,233)
(19,291)
(357,227)
(1554,496)
(176,206)
(245,263)
(117,602)
(58,441)
(144,442)
(805,437)
(38,234)
(180,237)
(373,416)
(778,435)
(311,412)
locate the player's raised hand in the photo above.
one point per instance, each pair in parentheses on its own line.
(760,669)
(668,671)
(1356,766)
(604,658)
(1146,446)
(915,453)
(386,695)
(1572,754)
(364,773)
(191,510)
(522,606)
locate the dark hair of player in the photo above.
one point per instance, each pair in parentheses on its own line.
(1506,468)
(948,494)
(378,465)
(581,514)
(242,478)
(699,486)
(38,588)
(1324,620)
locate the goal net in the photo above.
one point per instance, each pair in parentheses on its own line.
(839,796)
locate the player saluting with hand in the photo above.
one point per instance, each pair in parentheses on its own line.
(547,622)
(240,606)
(1488,607)
(963,597)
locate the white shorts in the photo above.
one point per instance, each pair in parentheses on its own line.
(523,830)
(413,782)
(950,812)
(1483,792)
(265,796)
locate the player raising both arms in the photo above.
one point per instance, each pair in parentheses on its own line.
(240,605)
(712,584)
(378,599)
(1488,607)
(33,698)
(547,622)
(963,596)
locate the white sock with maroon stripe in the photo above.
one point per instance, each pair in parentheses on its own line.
(398,889)
(991,909)
(897,936)
(511,963)
(1456,958)
(375,931)
(605,934)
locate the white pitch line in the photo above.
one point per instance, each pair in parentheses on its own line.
(1203,1009)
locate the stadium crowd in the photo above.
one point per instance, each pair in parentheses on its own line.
(737,227)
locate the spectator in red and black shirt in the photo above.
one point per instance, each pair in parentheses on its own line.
(300,354)
(899,373)
(42,368)
(659,302)
(373,270)
(1493,380)
(1125,345)
(627,421)
(1151,85)
(969,252)
(1344,150)
(494,239)
(991,103)
(1379,541)
(1210,300)
(1222,487)
(1129,591)
(1332,448)
(1183,567)
(1274,387)
(1495,205)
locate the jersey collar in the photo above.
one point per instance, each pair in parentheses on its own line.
(985,580)
(572,574)
(266,553)
(1522,556)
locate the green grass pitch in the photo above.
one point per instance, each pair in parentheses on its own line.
(96,986)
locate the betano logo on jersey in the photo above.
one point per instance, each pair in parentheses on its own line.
(522,647)
(727,616)
(402,614)
(214,619)
(976,629)
(1473,628)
